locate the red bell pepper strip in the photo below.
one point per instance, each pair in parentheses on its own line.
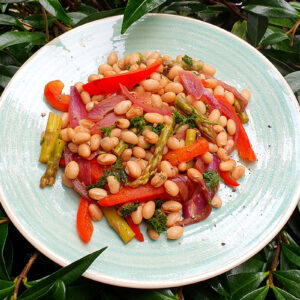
(227,178)
(111,84)
(97,170)
(142,193)
(54,96)
(243,144)
(135,228)
(85,226)
(187,153)
(62,162)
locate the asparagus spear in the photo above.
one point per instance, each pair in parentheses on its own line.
(118,224)
(53,164)
(190,138)
(243,117)
(155,158)
(204,125)
(50,137)
(119,149)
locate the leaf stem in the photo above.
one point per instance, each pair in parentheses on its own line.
(46,24)
(293,32)
(4,220)
(23,275)
(275,261)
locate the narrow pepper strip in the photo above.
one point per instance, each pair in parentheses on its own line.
(85,226)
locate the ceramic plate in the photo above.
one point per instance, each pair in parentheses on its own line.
(250,216)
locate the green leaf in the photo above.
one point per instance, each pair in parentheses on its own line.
(3,237)
(16,37)
(54,8)
(200,291)
(254,264)
(84,288)
(283,295)
(6,288)
(184,6)
(283,22)
(6,73)
(241,284)
(76,17)
(272,12)
(67,274)
(295,5)
(256,28)
(7,59)
(274,38)
(259,294)
(38,21)
(220,285)
(57,291)
(293,80)
(87,9)
(101,15)
(135,9)
(290,280)
(9,20)
(240,28)
(11,1)
(292,252)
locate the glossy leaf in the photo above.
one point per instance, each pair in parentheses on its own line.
(101,15)
(254,264)
(58,291)
(54,8)
(256,28)
(6,19)
(84,288)
(295,5)
(3,237)
(16,37)
(76,17)
(6,288)
(259,294)
(67,274)
(274,38)
(293,80)
(289,280)
(6,73)
(283,295)
(38,21)
(87,9)
(241,284)
(184,6)
(220,285)
(200,291)
(7,59)
(283,22)
(135,9)
(292,252)
(240,28)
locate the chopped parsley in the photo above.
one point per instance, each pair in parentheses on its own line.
(188,60)
(211,178)
(140,124)
(158,203)
(107,130)
(158,128)
(116,170)
(181,120)
(158,222)
(128,209)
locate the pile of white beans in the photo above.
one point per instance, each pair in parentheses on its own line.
(164,88)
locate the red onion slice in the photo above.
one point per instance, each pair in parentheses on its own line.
(77,109)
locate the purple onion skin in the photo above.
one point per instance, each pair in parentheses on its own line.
(77,109)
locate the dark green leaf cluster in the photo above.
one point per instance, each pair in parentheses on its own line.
(107,130)
(116,170)
(158,222)
(211,178)
(188,60)
(181,120)
(128,209)
(140,124)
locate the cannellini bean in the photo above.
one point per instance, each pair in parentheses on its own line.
(221,139)
(168,120)
(109,73)
(73,147)
(218,128)
(238,172)
(97,98)
(213,148)
(156,100)
(214,116)
(137,216)
(129,137)
(122,107)
(94,77)
(219,91)
(150,85)
(222,154)
(148,210)
(134,111)
(148,155)
(126,155)
(104,67)
(138,152)
(106,159)
(229,145)
(151,137)
(107,144)
(155,76)
(64,135)
(79,86)
(66,181)
(173,218)
(154,118)
(173,143)
(228,165)
(153,234)
(209,70)
(207,157)
(134,170)
(194,174)
(174,71)
(171,188)
(112,58)
(223,121)
(123,123)
(229,97)
(174,87)
(89,106)
(86,123)
(231,127)
(142,143)
(200,106)
(95,212)
(79,128)
(167,168)
(81,137)
(115,141)
(175,232)
(158,179)
(121,63)
(171,206)
(113,184)
(216,201)
(116,68)
(116,132)
(64,120)
(168,97)
(142,163)
(72,170)
(97,193)
(84,150)
(182,167)
(211,83)
(246,94)
(85,97)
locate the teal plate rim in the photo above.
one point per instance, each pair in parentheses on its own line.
(173,281)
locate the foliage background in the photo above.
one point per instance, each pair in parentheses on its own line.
(272,26)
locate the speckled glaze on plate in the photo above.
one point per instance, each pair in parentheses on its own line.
(249,218)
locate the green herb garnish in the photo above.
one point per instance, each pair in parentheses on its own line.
(139,123)
(211,178)
(158,203)
(158,128)
(158,222)
(128,209)
(188,60)
(107,130)
(181,120)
